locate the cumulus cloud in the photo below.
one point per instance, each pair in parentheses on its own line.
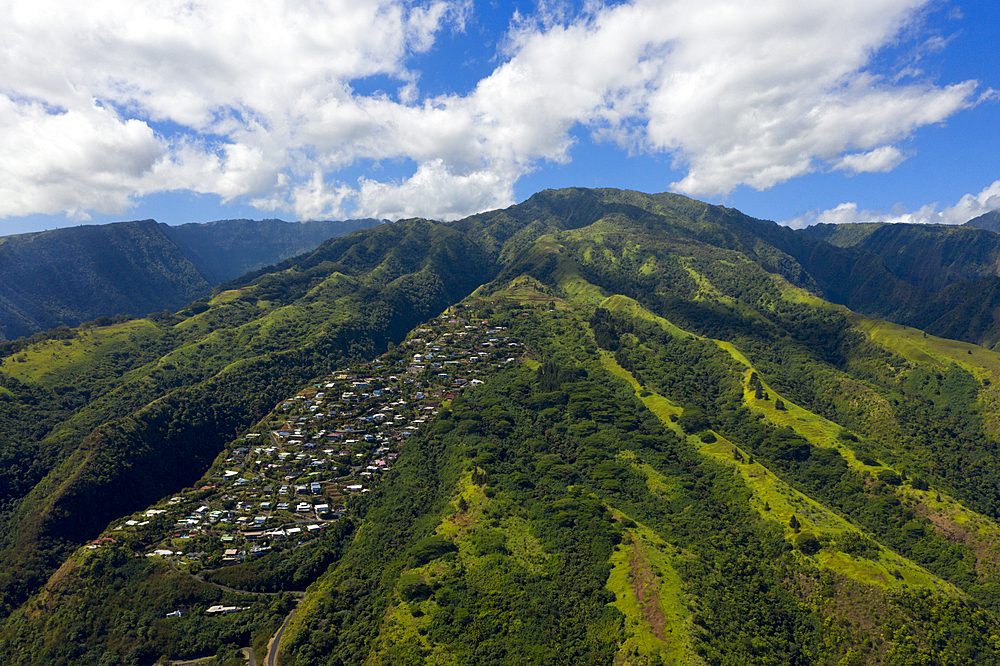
(82,158)
(885,158)
(101,103)
(968,207)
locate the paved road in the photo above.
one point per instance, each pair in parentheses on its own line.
(272,647)
(249,654)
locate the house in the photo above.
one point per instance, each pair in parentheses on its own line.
(224,610)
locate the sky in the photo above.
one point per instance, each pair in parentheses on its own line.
(797,112)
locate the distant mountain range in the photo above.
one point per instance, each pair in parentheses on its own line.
(68,276)
(990,221)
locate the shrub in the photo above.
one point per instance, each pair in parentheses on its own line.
(412,587)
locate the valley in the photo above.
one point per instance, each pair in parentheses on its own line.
(600,427)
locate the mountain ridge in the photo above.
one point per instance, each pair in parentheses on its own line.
(71,275)
(645,429)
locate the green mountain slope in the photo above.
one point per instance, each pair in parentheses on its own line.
(929,257)
(940,278)
(153,410)
(641,433)
(67,276)
(70,275)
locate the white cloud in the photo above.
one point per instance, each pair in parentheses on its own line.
(885,158)
(84,158)
(102,102)
(968,207)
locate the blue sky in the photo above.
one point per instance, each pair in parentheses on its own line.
(845,110)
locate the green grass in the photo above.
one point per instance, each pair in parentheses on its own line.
(573,286)
(657,483)
(227,296)
(814,428)
(919,347)
(52,360)
(644,555)
(793,294)
(822,432)
(521,543)
(706,290)
(654,402)
(528,291)
(776,501)
(627,306)
(401,627)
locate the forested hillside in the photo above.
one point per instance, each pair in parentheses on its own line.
(68,276)
(645,430)
(943,279)
(227,249)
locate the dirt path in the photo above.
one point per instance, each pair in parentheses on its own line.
(645,585)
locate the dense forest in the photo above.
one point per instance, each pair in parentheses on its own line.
(683,436)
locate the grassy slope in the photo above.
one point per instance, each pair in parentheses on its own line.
(646,586)
(66,276)
(951,518)
(776,501)
(783,500)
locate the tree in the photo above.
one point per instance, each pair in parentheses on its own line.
(793,522)
(807,543)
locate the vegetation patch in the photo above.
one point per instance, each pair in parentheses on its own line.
(52,360)
(649,593)
(915,345)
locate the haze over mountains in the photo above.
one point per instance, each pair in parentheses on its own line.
(67,276)
(599,427)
